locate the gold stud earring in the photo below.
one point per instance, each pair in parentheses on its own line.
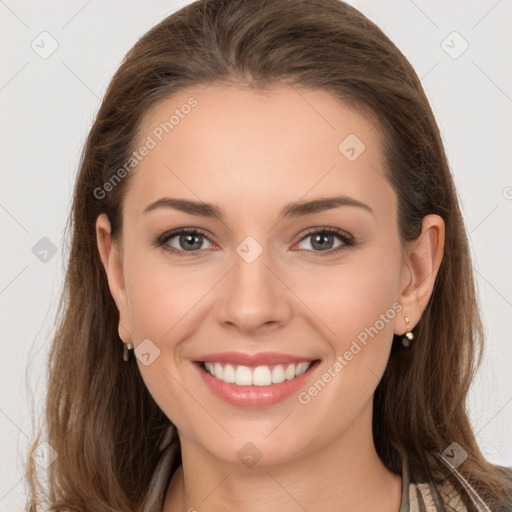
(127,347)
(408,335)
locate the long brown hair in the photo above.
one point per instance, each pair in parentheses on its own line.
(100,417)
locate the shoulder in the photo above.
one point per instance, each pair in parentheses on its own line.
(423,492)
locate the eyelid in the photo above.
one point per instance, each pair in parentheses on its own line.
(347,240)
(326,229)
(162,239)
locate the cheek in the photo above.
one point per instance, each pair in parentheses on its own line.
(359,304)
(351,298)
(161,295)
(160,298)
(343,300)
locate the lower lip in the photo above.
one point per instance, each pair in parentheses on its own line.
(255,396)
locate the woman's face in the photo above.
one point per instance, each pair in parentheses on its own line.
(260,284)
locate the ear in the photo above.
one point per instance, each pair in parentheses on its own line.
(419,271)
(111,257)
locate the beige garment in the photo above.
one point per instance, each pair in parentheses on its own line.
(452,494)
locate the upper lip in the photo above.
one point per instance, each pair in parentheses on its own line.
(261,358)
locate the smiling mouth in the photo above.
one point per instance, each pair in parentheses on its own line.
(263,375)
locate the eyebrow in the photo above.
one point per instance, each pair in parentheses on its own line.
(290,210)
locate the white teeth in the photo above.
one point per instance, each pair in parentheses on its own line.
(259,376)
(229,374)
(218,370)
(243,376)
(209,367)
(262,376)
(301,368)
(278,374)
(290,372)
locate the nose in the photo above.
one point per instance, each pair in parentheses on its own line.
(254,296)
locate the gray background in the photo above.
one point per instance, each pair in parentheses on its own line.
(47,107)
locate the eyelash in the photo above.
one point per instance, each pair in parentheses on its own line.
(162,240)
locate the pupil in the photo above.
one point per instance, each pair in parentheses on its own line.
(188,241)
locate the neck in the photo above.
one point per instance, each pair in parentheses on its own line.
(346,474)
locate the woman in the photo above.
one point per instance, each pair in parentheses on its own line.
(269,300)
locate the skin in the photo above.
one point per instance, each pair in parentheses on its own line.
(251,153)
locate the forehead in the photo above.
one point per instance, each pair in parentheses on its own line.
(224,142)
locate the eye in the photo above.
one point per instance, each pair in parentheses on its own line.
(185,241)
(322,240)
(190,241)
